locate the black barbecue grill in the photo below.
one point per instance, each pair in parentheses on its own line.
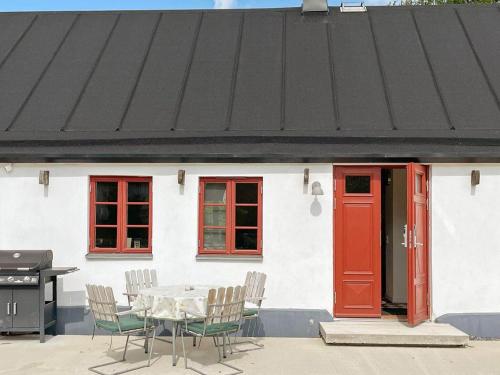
(25,278)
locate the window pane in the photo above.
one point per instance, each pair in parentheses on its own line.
(418,184)
(246,216)
(215,193)
(214,239)
(138,191)
(106,191)
(246,193)
(137,238)
(138,214)
(246,239)
(105,237)
(215,216)
(357,184)
(105,214)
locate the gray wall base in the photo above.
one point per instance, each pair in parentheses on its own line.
(272,322)
(481,325)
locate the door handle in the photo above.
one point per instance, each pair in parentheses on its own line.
(15,308)
(8,308)
(415,236)
(405,236)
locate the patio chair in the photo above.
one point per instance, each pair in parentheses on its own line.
(224,316)
(255,283)
(137,280)
(106,316)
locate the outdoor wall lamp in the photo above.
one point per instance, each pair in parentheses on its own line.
(316,189)
(43,178)
(181,176)
(475,177)
(306,176)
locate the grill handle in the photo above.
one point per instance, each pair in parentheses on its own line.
(15,308)
(8,308)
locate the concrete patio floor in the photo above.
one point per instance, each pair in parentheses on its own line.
(74,354)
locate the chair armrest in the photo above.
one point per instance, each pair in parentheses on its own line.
(255,299)
(130,294)
(193,313)
(133,311)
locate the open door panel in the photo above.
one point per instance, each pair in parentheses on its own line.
(417,244)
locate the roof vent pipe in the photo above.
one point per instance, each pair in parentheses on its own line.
(350,7)
(314,6)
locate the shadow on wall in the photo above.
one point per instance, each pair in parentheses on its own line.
(315,207)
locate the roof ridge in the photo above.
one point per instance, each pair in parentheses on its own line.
(239,10)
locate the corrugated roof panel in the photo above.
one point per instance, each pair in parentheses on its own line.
(308,91)
(206,97)
(361,97)
(106,96)
(56,94)
(413,94)
(12,29)
(464,87)
(26,63)
(476,20)
(259,78)
(154,103)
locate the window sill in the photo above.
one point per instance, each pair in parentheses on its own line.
(229,258)
(118,256)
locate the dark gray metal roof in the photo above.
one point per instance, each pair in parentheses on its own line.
(399,83)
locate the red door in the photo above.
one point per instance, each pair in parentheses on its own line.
(418,308)
(357,242)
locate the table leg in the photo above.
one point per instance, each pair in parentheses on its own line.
(146,342)
(174,333)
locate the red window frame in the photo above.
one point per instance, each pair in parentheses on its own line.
(230,215)
(122,203)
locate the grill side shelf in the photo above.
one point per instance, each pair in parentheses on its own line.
(56,271)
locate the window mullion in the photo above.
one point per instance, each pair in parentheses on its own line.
(259,217)
(121,209)
(230,225)
(201,218)
(93,206)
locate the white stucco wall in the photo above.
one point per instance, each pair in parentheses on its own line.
(297,239)
(465,239)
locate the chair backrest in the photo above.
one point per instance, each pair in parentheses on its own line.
(140,279)
(255,283)
(102,302)
(225,305)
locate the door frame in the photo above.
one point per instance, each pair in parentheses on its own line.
(429,216)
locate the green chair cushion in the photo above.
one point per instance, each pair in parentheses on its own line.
(250,312)
(127,323)
(212,329)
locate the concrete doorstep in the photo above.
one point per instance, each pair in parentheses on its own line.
(348,332)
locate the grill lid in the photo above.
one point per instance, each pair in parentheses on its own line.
(25,260)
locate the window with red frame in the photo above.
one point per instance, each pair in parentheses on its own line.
(230,216)
(120,214)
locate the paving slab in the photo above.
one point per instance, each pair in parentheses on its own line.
(372,332)
(72,355)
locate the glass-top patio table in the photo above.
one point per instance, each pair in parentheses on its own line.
(170,302)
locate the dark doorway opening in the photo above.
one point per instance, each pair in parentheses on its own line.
(393,251)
